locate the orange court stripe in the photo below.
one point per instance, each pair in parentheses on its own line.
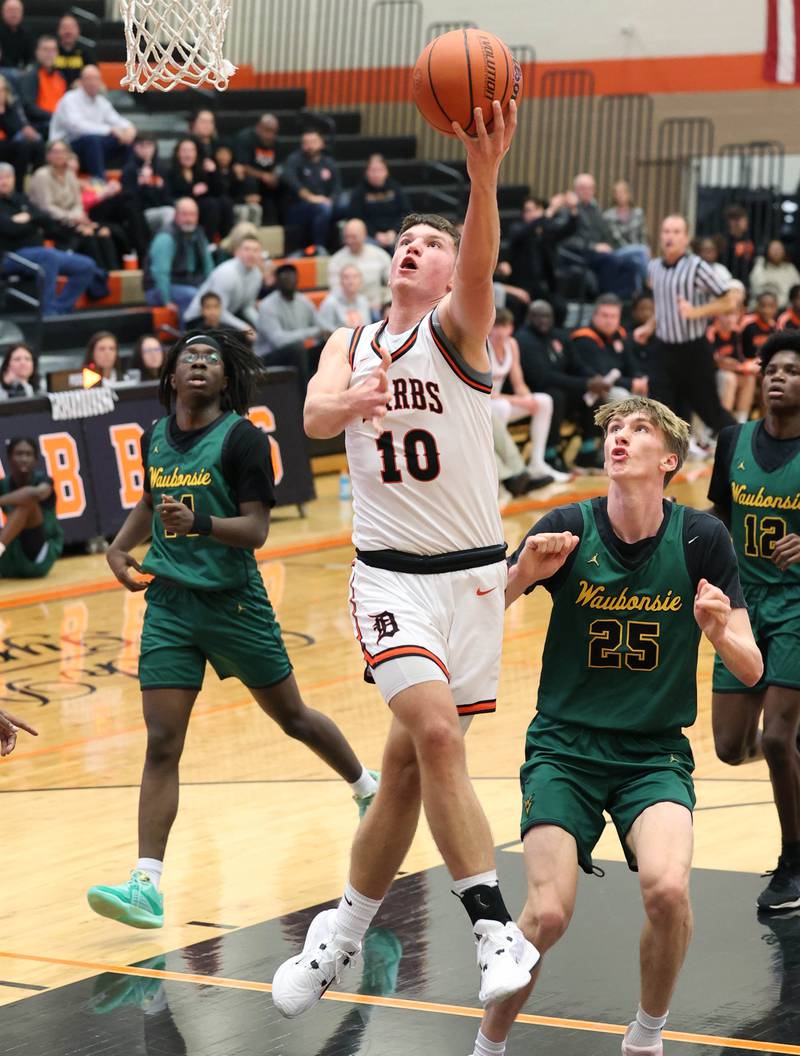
(407,1004)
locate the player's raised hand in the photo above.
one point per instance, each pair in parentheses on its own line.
(485,150)
(9,727)
(370,399)
(120,564)
(176,516)
(712,609)
(786,551)
(544,554)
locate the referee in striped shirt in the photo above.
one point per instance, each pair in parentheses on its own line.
(686,293)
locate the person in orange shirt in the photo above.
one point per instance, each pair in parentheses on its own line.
(42,86)
(790,319)
(736,378)
(757,327)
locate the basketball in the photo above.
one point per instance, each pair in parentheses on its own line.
(461,70)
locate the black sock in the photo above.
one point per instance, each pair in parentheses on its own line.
(790,850)
(484,902)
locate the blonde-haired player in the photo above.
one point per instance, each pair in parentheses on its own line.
(634,580)
(413,395)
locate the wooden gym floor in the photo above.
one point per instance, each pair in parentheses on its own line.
(263,834)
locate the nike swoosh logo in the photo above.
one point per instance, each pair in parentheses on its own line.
(480,592)
(347,900)
(692,540)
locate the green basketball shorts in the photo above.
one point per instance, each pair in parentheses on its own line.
(234,630)
(572,774)
(15,563)
(775,619)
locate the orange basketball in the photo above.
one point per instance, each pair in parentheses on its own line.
(460,71)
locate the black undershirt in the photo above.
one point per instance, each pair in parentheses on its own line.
(769,451)
(707,546)
(246,458)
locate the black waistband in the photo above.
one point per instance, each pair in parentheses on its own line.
(432,564)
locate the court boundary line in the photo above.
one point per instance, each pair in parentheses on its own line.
(406,1004)
(326,542)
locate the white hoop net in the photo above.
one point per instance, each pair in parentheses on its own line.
(175,43)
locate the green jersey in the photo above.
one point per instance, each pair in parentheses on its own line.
(51,527)
(765,506)
(621,647)
(195,477)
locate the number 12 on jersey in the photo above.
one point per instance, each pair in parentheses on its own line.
(420,453)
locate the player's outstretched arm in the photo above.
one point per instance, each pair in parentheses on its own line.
(467,313)
(331,404)
(540,558)
(730,633)
(134,531)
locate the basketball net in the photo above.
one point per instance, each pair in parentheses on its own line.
(175,43)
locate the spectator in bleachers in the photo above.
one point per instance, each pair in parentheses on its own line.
(237,283)
(144,177)
(147,359)
(178,261)
(89,123)
(190,177)
(20,143)
(210,314)
(790,319)
(42,86)
(380,202)
(16,40)
(739,250)
(550,365)
(289,329)
(641,345)
(72,54)
(55,189)
(600,349)
(256,159)
(520,403)
(203,130)
(347,305)
(19,374)
(756,328)
(736,378)
(775,272)
(618,270)
(708,249)
(528,260)
(373,262)
(102,356)
(313,182)
(23,229)
(246,206)
(106,202)
(628,227)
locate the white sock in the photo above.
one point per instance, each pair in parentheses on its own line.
(2,549)
(646,1029)
(153,868)
(354,914)
(366,784)
(489,879)
(484,1047)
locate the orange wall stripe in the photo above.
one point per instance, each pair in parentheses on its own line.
(657,76)
(406,1004)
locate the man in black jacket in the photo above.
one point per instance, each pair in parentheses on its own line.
(72,54)
(42,86)
(600,348)
(16,40)
(313,181)
(532,241)
(23,228)
(549,365)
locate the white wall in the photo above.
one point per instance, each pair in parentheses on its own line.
(565,30)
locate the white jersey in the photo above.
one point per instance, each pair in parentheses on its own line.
(428,484)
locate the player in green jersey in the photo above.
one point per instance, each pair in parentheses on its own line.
(31,540)
(755,488)
(208,490)
(634,581)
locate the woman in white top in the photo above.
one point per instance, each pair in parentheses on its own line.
(511,407)
(773,273)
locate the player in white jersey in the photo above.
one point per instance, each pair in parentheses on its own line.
(426,595)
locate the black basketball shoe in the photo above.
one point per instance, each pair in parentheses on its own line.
(783,890)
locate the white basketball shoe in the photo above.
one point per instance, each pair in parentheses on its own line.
(301,981)
(505,958)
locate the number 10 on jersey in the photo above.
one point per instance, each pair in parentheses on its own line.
(420,453)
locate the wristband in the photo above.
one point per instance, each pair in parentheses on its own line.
(201,525)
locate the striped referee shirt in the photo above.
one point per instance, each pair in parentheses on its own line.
(691,278)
